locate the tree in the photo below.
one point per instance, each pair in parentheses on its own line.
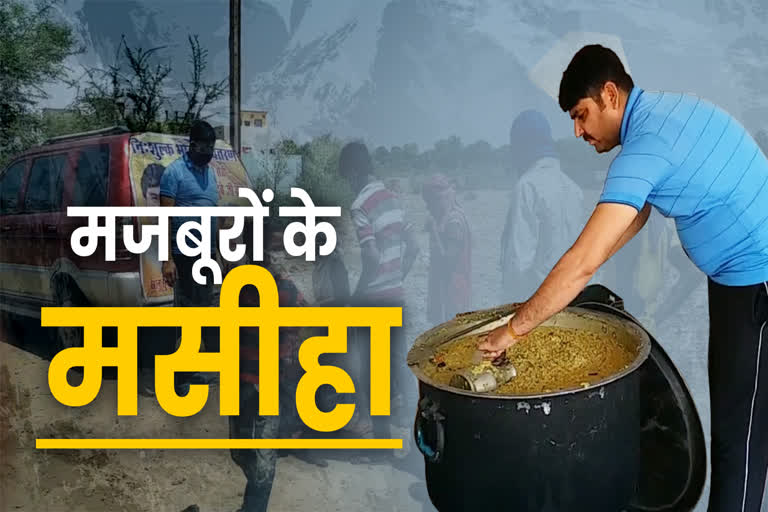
(396,157)
(112,96)
(144,86)
(320,172)
(447,154)
(274,168)
(410,151)
(381,155)
(33,50)
(102,101)
(199,94)
(54,123)
(479,155)
(288,147)
(133,90)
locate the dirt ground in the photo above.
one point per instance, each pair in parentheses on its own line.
(168,480)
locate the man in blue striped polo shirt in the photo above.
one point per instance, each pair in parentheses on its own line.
(695,163)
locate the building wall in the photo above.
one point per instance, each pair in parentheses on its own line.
(255,133)
(253,118)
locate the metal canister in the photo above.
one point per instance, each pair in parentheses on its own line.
(484,377)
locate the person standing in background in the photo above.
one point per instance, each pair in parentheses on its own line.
(330,284)
(693,162)
(388,250)
(546,211)
(258,465)
(190,181)
(449,288)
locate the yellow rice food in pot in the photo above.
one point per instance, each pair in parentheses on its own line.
(548,359)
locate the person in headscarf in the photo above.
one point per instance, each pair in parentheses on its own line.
(450,252)
(546,213)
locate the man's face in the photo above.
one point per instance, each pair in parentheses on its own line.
(599,125)
(201,152)
(153,196)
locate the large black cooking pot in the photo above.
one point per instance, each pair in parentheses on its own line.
(632,442)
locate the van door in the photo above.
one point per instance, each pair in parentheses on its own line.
(87,185)
(11,254)
(42,214)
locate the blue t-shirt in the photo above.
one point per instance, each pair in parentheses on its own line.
(697,164)
(190,186)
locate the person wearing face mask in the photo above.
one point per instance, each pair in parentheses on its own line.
(695,163)
(190,181)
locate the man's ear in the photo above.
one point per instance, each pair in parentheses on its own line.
(610,95)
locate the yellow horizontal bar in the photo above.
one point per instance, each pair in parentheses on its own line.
(246,316)
(208,444)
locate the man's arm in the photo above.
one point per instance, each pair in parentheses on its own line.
(599,239)
(610,226)
(369,254)
(633,229)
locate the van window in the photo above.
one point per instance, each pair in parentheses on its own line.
(91,177)
(10,183)
(44,188)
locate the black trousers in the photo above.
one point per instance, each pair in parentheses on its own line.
(738,383)
(188,293)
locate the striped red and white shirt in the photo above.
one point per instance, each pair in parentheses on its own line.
(378,217)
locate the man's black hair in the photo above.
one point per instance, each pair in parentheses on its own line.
(355,160)
(587,73)
(201,131)
(151,177)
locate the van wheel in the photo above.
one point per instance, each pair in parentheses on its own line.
(68,295)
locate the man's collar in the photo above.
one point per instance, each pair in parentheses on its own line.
(634,95)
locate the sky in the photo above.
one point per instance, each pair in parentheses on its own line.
(399,71)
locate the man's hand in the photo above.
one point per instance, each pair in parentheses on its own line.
(169,272)
(496,342)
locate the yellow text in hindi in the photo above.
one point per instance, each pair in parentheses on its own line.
(229,317)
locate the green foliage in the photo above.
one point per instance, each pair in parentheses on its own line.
(288,147)
(487,165)
(33,50)
(197,93)
(320,172)
(134,98)
(54,123)
(133,90)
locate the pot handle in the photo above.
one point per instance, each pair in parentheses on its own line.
(428,416)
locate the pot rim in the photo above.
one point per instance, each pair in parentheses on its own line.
(642,355)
